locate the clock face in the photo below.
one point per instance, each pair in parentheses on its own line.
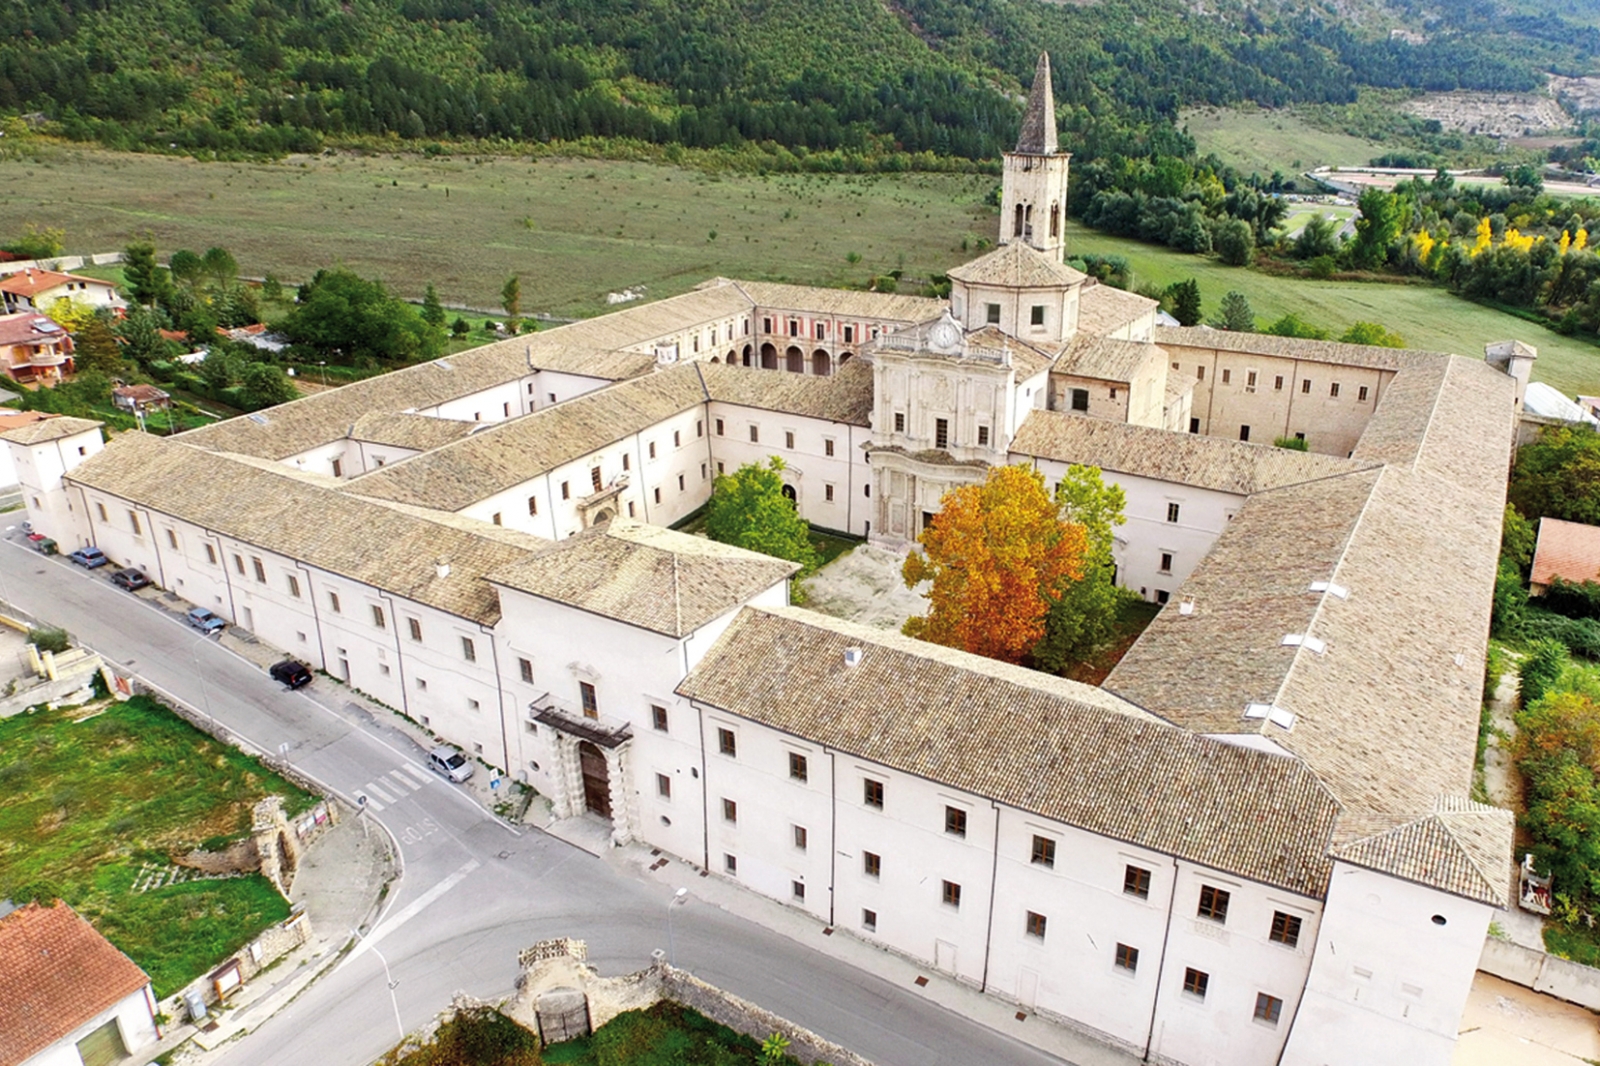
(944,335)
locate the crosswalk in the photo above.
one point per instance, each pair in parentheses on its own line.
(392,786)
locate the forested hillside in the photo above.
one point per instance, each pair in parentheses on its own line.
(862,78)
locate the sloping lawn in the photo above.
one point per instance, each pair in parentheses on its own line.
(88,807)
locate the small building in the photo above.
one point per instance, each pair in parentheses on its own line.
(1568,550)
(67,996)
(34,347)
(38,290)
(140,399)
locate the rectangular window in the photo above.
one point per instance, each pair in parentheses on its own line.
(1305,385)
(1036,315)
(1213,903)
(680,482)
(1250,380)
(1080,399)
(766,325)
(1227,377)
(849,334)
(871,864)
(941,433)
(238,564)
(377,616)
(800,836)
(1244,432)
(211,555)
(705,471)
(469,650)
(720,427)
(1172,512)
(590,702)
(798,887)
(656,495)
(869,920)
(991,314)
(1136,881)
(627,461)
(1195,982)
(652,450)
(727,743)
(730,811)
(261,571)
(1277,383)
(1166,562)
(100,507)
(983,436)
(872,793)
(1361,394)
(1285,929)
(1036,923)
(827,494)
(172,538)
(414,627)
(658,717)
(1044,851)
(794,328)
(1333,389)
(525,670)
(730,864)
(294,586)
(755,434)
(1268,1008)
(1162,596)
(1199,373)
(677,439)
(594,478)
(133,522)
(1128,958)
(663,786)
(1194,425)
(798,770)
(788,440)
(899,422)
(955,821)
(699,427)
(951,894)
(566,490)
(533,505)
(827,446)
(822,331)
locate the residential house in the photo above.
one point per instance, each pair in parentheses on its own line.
(34,348)
(38,290)
(140,399)
(1566,550)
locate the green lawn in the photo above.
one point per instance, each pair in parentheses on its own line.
(1425,315)
(84,805)
(1260,140)
(666,1034)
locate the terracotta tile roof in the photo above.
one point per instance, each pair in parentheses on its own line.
(1461,847)
(1019,266)
(844,303)
(1568,550)
(1044,745)
(1027,360)
(506,454)
(56,972)
(1089,356)
(1293,347)
(48,429)
(32,329)
(587,360)
(140,393)
(1104,310)
(30,283)
(420,433)
(666,582)
(1182,458)
(845,396)
(308,518)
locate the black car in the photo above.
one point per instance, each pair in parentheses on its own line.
(130,579)
(291,672)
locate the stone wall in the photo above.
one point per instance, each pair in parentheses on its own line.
(1541,972)
(251,959)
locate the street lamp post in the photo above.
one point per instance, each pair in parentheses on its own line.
(205,693)
(677,898)
(391,982)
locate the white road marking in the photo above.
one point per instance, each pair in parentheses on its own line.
(401,781)
(371,804)
(410,911)
(374,790)
(419,774)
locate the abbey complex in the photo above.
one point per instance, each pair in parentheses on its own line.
(1254,844)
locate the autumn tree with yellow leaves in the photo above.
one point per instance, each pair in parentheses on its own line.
(999,555)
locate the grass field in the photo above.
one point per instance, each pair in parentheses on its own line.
(1426,316)
(84,804)
(1259,141)
(573,229)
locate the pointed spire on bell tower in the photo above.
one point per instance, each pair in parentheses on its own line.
(1038,136)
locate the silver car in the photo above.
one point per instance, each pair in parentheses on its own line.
(449,763)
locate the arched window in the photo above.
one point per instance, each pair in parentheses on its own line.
(769,357)
(1016,226)
(821,363)
(746,355)
(790,495)
(794,360)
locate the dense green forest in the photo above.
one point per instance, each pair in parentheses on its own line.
(858,80)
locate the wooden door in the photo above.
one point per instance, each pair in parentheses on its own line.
(103,1046)
(596,781)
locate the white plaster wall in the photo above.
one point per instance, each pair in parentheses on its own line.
(1388,984)
(969,304)
(550,387)
(495,404)
(135,1018)
(38,470)
(809,469)
(364,456)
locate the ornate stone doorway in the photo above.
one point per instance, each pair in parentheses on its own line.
(596,779)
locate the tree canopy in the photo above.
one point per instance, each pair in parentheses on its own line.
(1085,615)
(341,312)
(999,555)
(1558,475)
(748,508)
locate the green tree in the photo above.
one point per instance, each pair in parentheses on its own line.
(145,281)
(264,385)
(220,368)
(185,267)
(96,347)
(1292,325)
(1371,333)
(1557,750)
(511,300)
(460,327)
(1185,299)
(1236,315)
(432,309)
(1235,242)
(1319,237)
(1085,615)
(748,508)
(1558,475)
(1383,219)
(37,243)
(1518,539)
(221,269)
(140,331)
(353,321)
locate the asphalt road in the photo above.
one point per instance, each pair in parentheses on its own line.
(473,892)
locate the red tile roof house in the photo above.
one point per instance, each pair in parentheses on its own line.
(67,997)
(140,398)
(38,290)
(34,347)
(1568,550)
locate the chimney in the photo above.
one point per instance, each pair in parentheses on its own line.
(852,656)
(441,568)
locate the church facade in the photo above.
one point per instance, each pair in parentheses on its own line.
(1252,844)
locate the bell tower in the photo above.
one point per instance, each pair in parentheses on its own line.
(1033,199)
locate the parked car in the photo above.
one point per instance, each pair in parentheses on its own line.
(131,579)
(291,672)
(42,544)
(90,557)
(206,621)
(449,763)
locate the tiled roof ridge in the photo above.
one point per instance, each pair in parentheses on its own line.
(1371,851)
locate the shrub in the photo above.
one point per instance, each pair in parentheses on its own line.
(1510,601)
(1580,636)
(1572,598)
(1557,751)
(1541,668)
(49,638)
(1293,444)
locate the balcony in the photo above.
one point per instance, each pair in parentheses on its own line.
(557,714)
